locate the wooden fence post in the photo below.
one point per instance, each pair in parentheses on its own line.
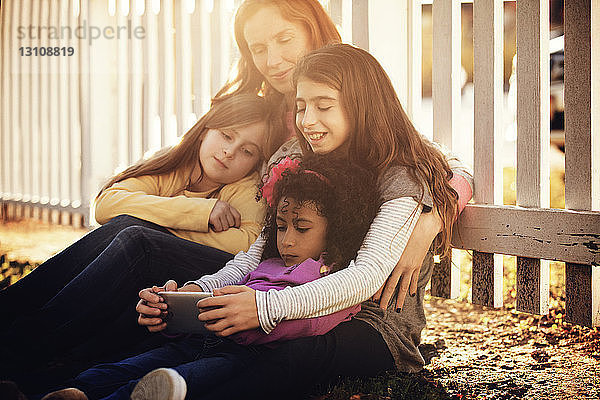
(582,146)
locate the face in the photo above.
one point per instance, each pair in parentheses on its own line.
(228,155)
(300,231)
(320,116)
(276,44)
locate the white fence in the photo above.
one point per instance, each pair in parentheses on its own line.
(144,70)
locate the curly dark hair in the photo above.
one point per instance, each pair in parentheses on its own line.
(348,199)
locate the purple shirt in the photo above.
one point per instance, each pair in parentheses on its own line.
(273,274)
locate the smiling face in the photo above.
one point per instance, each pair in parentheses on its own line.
(228,155)
(320,116)
(301,231)
(276,44)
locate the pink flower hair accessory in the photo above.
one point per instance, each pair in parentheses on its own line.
(287,164)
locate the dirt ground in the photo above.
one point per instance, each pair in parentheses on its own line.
(474,352)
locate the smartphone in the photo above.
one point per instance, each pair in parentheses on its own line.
(182,311)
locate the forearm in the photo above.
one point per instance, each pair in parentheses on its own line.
(234,271)
(177,212)
(380,252)
(233,240)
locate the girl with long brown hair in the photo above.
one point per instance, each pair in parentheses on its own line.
(181,212)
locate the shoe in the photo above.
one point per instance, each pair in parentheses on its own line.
(160,384)
(66,394)
(10,391)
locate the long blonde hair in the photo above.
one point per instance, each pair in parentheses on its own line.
(233,112)
(382,134)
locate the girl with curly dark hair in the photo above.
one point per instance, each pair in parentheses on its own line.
(319,212)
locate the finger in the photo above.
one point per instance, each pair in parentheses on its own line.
(152,310)
(146,321)
(377,296)
(231,289)
(218,326)
(404,283)
(170,286)
(157,328)
(229,331)
(237,217)
(212,314)
(390,287)
(413,282)
(230,219)
(150,297)
(216,224)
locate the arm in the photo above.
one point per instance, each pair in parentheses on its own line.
(147,197)
(407,270)
(381,250)
(235,270)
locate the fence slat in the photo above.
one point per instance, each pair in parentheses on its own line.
(360,23)
(533,136)
(487,274)
(551,234)
(6,112)
(446,87)
(415,53)
(582,147)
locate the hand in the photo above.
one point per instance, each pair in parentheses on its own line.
(152,307)
(409,266)
(235,310)
(223,216)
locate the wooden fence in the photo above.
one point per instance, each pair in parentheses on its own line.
(68,123)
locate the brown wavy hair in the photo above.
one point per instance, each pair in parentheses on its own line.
(322,31)
(308,13)
(382,134)
(233,112)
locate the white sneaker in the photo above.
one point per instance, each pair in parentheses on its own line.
(160,384)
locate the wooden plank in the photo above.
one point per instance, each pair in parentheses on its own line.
(5,111)
(216,48)
(550,234)
(45,126)
(446,70)
(35,112)
(360,23)
(23,75)
(445,281)
(533,135)
(488,102)
(64,137)
(83,58)
(582,135)
(582,147)
(15,68)
(445,81)
(533,279)
(415,53)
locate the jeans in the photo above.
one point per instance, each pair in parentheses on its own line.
(203,361)
(31,292)
(93,315)
(291,370)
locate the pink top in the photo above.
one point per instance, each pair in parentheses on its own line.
(273,274)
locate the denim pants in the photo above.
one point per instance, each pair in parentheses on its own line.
(203,361)
(292,369)
(85,304)
(31,292)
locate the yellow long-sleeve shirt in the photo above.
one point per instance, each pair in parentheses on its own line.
(162,200)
